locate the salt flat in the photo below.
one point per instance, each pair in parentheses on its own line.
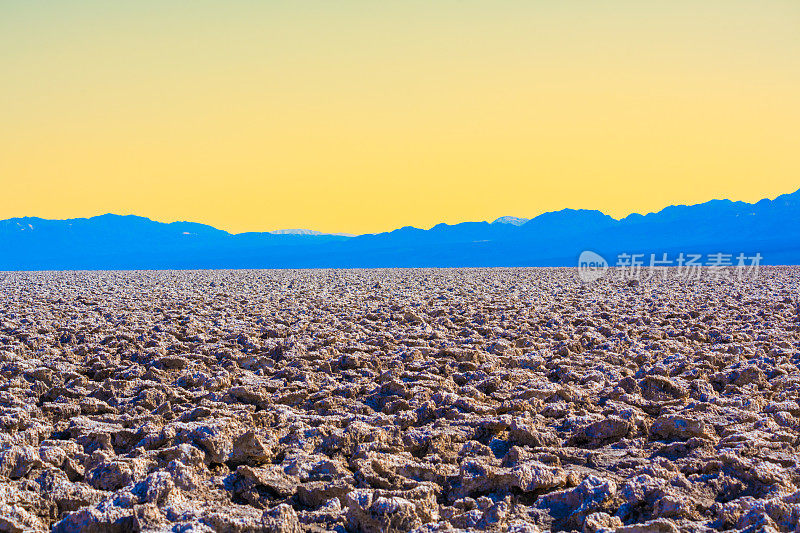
(393,400)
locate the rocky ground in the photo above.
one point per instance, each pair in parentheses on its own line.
(392,400)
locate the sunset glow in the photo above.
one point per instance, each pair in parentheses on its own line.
(366,116)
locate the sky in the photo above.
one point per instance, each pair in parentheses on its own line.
(364,116)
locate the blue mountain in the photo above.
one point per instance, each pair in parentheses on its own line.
(768,227)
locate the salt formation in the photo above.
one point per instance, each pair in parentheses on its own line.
(517,400)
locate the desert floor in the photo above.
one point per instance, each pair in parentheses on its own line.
(391,400)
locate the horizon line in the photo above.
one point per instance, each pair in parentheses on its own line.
(348,234)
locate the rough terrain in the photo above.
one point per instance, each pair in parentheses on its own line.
(514,400)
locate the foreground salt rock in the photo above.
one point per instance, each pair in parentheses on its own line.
(517,400)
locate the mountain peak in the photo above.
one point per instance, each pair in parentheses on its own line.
(514,221)
(303,231)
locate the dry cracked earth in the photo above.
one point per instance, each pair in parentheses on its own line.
(515,400)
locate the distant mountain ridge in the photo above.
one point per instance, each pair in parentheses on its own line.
(300,231)
(516,221)
(768,227)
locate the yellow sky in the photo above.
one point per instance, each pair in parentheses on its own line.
(366,116)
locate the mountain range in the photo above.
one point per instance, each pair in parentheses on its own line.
(768,227)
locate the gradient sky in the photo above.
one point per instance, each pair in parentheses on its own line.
(366,116)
